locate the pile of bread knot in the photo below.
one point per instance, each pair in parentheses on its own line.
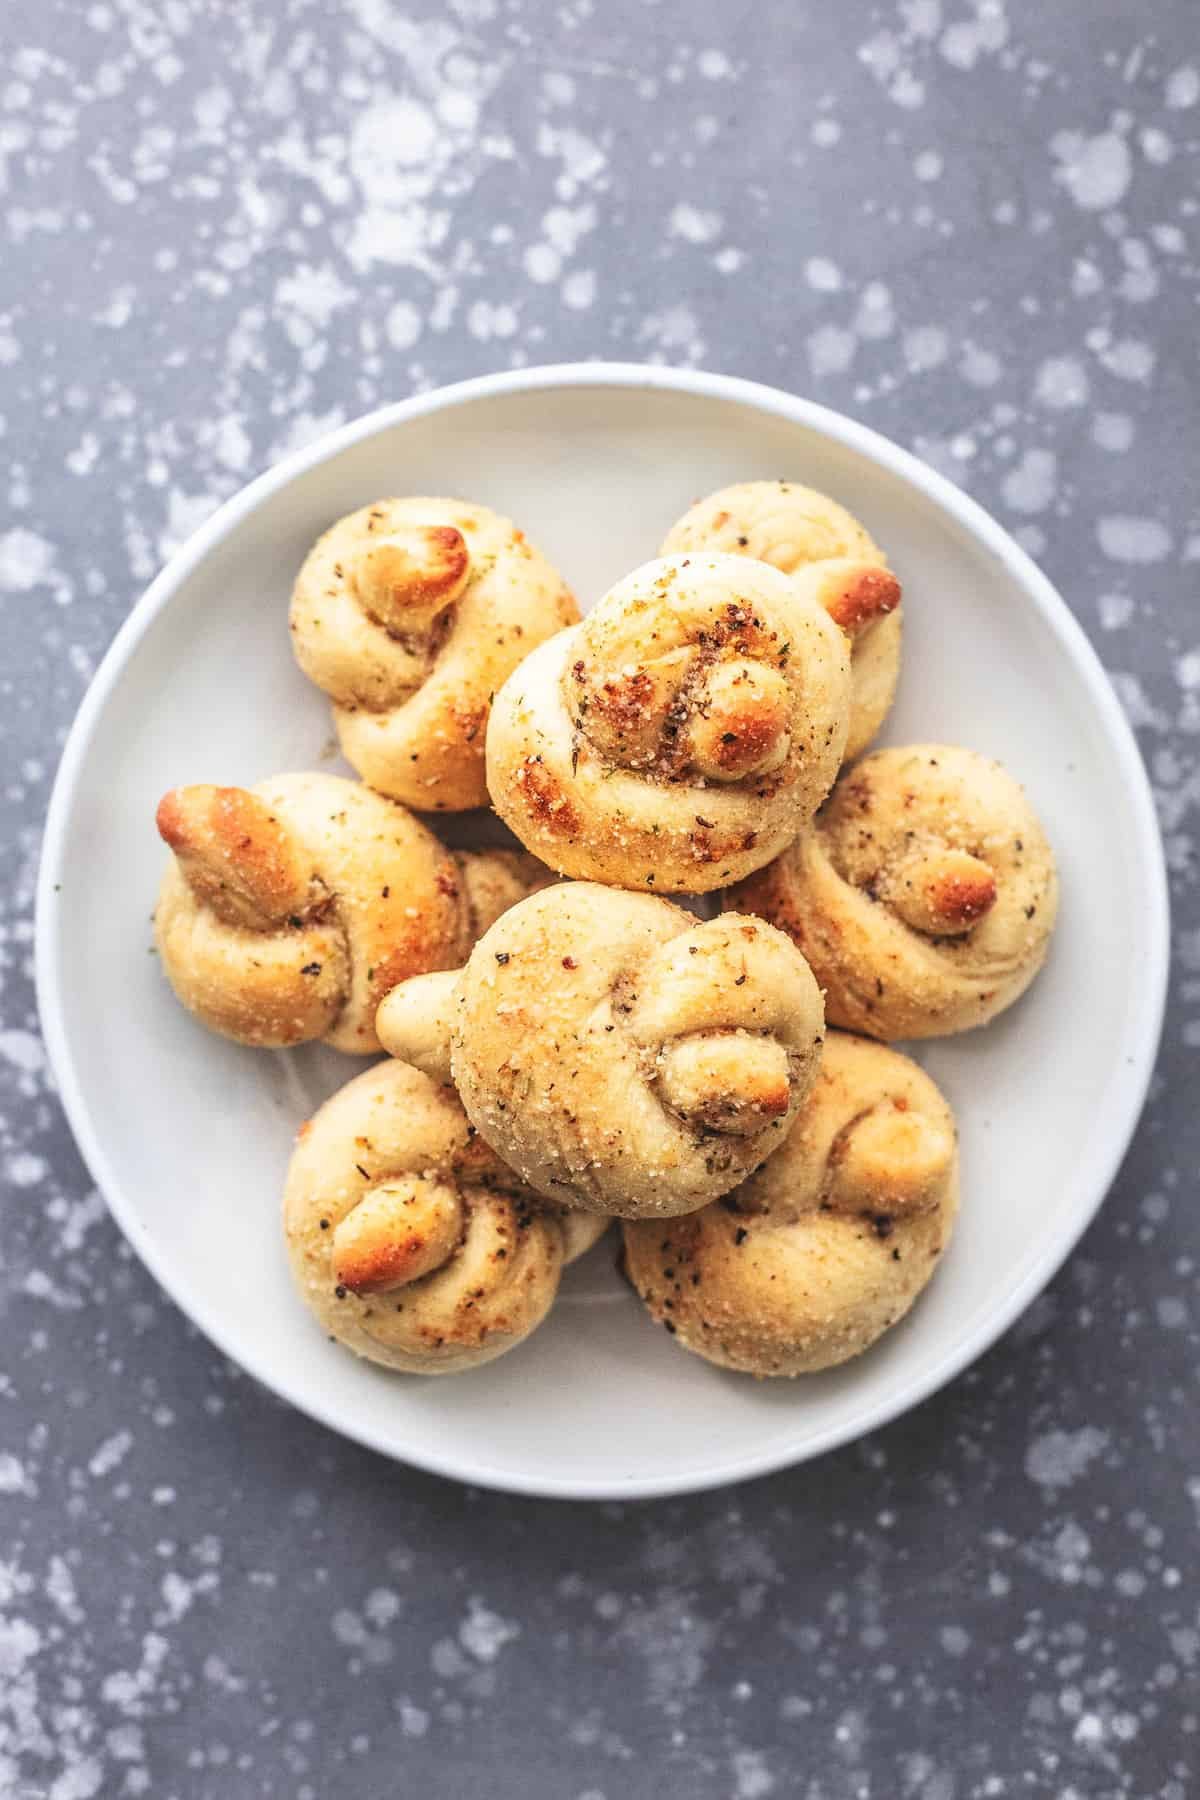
(563,1052)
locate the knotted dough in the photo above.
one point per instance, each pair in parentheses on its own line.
(409,614)
(923,894)
(288,910)
(408,1239)
(616,1052)
(681,735)
(811,537)
(815,1255)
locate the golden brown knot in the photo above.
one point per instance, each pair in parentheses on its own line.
(887,833)
(889,1160)
(398,1232)
(406,581)
(830,1241)
(726,1081)
(287,911)
(943,892)
(690,724)
(923,894)
(779,522)
(710,700)
(836,563)
(237,856)
(856,594)
(619,1054)
(409,614)
(412,1243)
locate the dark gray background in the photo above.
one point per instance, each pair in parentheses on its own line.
(228,227)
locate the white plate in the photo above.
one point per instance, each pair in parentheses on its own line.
(188,1136)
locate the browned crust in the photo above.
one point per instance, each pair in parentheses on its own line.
(446,569)
(867,594)
(959,899)
(745,736)
(374,1265)
(405,584)
(829,1243)
(233,851)
(620,702)
(545,796)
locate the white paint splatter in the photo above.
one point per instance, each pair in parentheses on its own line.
(923,18)
(486,320)
(696,227)
(1030,487)
(13,1477)
(1095,171)
(752,1779)
(966,40)
(1156,145)
(980,367)
(822,275)
(1058,1458)
(1086,278)
(714,65)
(315,292)
(1139,709)
(875,317)
(1115,611)
(23,1169)
(925,347)
(579,289)
(830,350)
(177,1595)
(484,1633)
(1129,539)
(1183,87)
(542,263)
(1129,359)
(110,1453)
(403,325)
(1112,431)
(23,1050)
(26,560)
(674,333)
(1061,382)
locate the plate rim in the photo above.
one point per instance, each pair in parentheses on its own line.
(1139,1050)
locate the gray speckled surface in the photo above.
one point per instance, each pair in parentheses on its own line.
(227,227)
